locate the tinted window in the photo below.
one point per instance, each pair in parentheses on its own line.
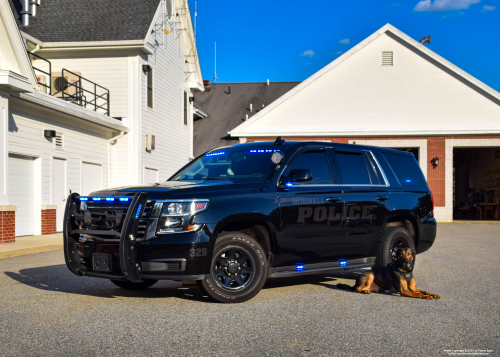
(317,163)
(353,168)
(373,170)
(406,169)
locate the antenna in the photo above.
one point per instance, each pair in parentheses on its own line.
(215,75)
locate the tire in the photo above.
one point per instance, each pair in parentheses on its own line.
(128,285)
(238,269)
(394,237)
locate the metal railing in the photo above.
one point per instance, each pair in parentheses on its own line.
(77,90)
(48,86)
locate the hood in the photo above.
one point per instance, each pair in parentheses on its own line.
(166,189)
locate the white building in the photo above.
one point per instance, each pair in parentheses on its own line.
(390,90)
(141,55)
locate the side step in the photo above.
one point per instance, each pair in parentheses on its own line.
(321,268)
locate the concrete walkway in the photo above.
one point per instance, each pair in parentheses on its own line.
(31,244)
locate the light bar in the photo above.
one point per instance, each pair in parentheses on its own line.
(216,153)
(96,199)
(110,199)
(262,150)
(82,198)
(124,199)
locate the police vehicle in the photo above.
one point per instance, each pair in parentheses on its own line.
(238,215)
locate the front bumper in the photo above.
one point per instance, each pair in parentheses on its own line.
(182,256)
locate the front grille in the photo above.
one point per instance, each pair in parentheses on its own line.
(173,266)
(143,220)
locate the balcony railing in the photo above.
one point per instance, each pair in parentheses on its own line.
(74,88)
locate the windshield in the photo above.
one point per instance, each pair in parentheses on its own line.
(235,164)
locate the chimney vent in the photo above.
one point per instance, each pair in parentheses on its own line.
(26,13)
(251,107)
(268,82)
(229,90)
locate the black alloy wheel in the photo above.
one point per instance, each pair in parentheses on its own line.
(393,238)
(238,270)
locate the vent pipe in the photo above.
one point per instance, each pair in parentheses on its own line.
(246,117)
(26,13)
(250,107)
(268,82)
(229,90)
(425,40)
(34,5)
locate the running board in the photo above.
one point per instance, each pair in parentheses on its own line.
(321,268)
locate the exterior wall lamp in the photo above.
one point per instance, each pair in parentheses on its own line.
(435,161)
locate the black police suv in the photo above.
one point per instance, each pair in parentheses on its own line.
(238,215)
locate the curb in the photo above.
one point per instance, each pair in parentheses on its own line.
(26,251)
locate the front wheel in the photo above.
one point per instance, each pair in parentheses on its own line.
(239,269)
(128,285)
(394,238)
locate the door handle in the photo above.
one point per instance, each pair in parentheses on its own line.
(381,198)
(333,199)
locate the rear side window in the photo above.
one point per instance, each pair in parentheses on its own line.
(353,168)
(317,163)
(406,169)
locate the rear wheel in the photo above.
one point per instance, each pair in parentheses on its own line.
(128,285)
(239,269)
(394,238)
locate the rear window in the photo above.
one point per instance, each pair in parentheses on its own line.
(406,169)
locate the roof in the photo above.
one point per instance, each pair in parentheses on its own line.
(89,20)
(388,28)
(227,109)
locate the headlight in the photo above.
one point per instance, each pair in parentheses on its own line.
(178,214)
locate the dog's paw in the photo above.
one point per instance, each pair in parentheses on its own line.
(437,296)
(428,297)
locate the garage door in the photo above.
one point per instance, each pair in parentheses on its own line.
(21,192)
(91,178)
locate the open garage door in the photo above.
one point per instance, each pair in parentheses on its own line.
(476,181)
(22,192)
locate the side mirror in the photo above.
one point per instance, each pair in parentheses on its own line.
(300,175)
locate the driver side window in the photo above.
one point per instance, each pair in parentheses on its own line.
(316,162)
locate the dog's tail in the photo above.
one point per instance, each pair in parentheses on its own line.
(345,287)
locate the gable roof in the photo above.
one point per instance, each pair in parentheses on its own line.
(89,20)
(226,111)
(467,78)
(15,65)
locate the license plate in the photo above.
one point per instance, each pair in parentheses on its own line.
(102,262)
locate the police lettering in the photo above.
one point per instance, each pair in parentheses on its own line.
(322,213)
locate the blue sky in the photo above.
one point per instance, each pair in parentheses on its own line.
(290,40)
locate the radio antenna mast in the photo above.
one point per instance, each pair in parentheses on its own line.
(216,79)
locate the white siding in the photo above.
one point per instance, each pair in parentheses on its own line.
(80,144)
(21,192)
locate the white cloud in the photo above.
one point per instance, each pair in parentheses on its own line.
(308,53)
(488,8)
(345,41)
(444,5)
(338,52)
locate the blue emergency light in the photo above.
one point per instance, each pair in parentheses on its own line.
(408,181)
(96,199)
(299,267)
(110,199)
(138,211)
(123,199)
(343,263)
(84,198)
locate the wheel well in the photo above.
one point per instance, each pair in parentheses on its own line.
(255,229)
(406,223)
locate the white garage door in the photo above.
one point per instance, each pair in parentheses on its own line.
(91,178)
(21,192)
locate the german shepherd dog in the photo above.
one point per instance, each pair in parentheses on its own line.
(396,278)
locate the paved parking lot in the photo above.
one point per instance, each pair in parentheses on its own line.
(45,310)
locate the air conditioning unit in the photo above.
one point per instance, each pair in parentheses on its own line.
(60,84)
(42,80)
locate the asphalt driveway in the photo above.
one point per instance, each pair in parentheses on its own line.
(45,310)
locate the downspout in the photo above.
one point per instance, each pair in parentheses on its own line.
(36,49)
(109,158)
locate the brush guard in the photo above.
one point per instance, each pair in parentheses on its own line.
(127,238)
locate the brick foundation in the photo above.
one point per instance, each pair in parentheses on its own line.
(48,221)
(435,147)
(7,227)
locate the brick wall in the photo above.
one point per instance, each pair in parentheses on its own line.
(7,227)
(48,221)
(435,147)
